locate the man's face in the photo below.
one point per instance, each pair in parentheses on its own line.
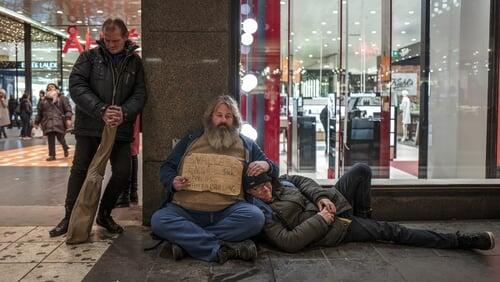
(263,191)
(222,116)
(114,41)
(51,87)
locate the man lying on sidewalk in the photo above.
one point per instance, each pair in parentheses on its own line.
(300,213)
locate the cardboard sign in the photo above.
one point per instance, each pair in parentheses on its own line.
(214,173)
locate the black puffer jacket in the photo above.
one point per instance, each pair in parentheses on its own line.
(92,83)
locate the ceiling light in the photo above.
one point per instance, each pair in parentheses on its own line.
(403,32)
(407,23)
(299,47)
(413,39)
(325,45)
(282,2)
(349,45)
(314,32)
(328,32)
(373,12)
(310,55)
(307,39)
(99,11)
(323,23)
(356,53)
(78,22)
(411,12)
(356,23)
(373,31)
(334,39)
(43,22)
(250,25)
(59,12)
(292,34)
(19,12)
(94,29)
(398,45)
(301,61)
(246,39)
(335,12)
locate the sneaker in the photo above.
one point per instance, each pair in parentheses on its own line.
(481,241)
(245,250)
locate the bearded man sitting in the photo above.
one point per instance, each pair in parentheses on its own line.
(211,225)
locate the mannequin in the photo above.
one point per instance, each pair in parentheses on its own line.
(406,117)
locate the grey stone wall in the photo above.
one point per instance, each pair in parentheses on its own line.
(186,57)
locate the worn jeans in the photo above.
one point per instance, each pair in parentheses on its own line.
(85,149)
(200,233)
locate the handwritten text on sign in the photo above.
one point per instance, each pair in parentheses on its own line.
(215,173)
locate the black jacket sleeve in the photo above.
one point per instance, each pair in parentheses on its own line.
(310,188)
(309,231)
(79,87)
(134,104)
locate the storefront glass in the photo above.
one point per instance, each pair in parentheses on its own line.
(346,77)
(11,57)
(45,61)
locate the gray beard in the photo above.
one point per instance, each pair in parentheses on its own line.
(222,137)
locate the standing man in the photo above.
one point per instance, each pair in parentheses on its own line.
(212,225)
(107,86)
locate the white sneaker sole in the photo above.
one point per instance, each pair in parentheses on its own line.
(492,239)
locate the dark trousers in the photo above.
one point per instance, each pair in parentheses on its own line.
(85,150)
(51,138)
(365,229)
(355,186)
(26,123)
(2,131)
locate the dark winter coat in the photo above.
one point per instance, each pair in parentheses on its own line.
(292,219)
(93,81)
(52,116)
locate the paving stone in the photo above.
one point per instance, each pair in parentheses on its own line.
(350,251)
(65,272)
(235,270)
(14,271)
(12,234)
(27,252)
(187,269)
(391,251)
(87,252)
(371,268)
(467,268)
(302,270)
(4,245)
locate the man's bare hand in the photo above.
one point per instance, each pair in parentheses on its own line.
(113,116)
(180,183)
(325,203)
(327,216)
(257,167)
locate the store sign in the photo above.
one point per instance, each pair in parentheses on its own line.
(38,65)
(404,81)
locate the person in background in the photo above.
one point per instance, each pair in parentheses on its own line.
(13,105)
(25,110)
(41,97)
(4,113)
(52,115)
(129,194)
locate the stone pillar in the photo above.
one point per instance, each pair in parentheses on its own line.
(187,58)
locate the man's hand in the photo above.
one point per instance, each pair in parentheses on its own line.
(327,216)
(325,203)
(113,116)
(180,183)
(257,167)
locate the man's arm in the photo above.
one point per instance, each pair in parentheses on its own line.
(310,188)
(80,90)
(309,231)
(258,155)
(168,169)
(134,104)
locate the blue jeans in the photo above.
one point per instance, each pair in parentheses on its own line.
(199,233)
